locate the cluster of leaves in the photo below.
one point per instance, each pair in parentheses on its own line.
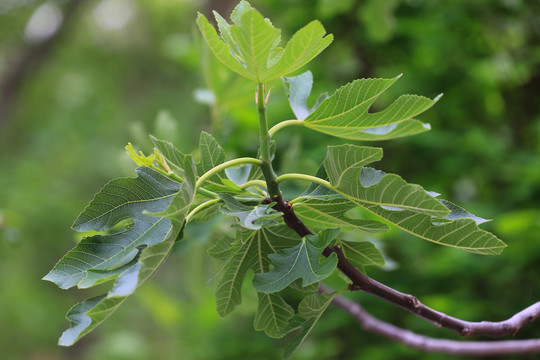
(139,219)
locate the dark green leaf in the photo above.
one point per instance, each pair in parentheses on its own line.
(252,255)
(310,311)
(273,315)
(250,217)
(120,199)
(362,254)
(301,261)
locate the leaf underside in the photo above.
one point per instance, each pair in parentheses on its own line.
(130,256)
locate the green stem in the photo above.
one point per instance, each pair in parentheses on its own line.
(284,124)
(305,177)
(264,139)
(226,164)
(202,206)
(254,183)
(202,190)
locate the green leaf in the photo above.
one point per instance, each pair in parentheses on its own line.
(222,249)
(250,217)
(462,233)
(457,228)
(330,211)
(86,316)
(250,46)
(174,157)
(220,49)
(298,89)
(181,202)
(306,43)
(345,168)
(273,315)
(310,311)
(301,261)
(362,254)
(345,114)
(120,199)
(393,131)
(252,255)
(105,257)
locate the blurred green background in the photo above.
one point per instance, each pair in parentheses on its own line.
(81,78)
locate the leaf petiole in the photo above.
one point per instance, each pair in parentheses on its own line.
(284,124)
(225,165)
(314,179)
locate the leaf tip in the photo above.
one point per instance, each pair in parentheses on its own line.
(436,98)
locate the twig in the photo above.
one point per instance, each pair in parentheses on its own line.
(362,282)
(429,344)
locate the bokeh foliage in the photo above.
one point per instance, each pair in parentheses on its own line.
(100,87)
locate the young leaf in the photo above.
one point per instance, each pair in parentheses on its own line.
(362,254)
(174,157)
(310,311)
(250,46)
(345,113)
(252,255)
(301,261)
(345,165)
(298,89)
(306,43)
(220,49)
(120,199)
(250,217)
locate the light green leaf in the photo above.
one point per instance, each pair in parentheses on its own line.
(212,155)
(250,46)
(362,254)
(220,49)
(306,43)
(298,89)
(462,233)
(301,261)
(330,211)
(250,217)
(273,315)
(310,311)
(174,157)
(252,255)
(345,114)
(256,39)
(457,212)
(345,165)
(393,131)
(120,199)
